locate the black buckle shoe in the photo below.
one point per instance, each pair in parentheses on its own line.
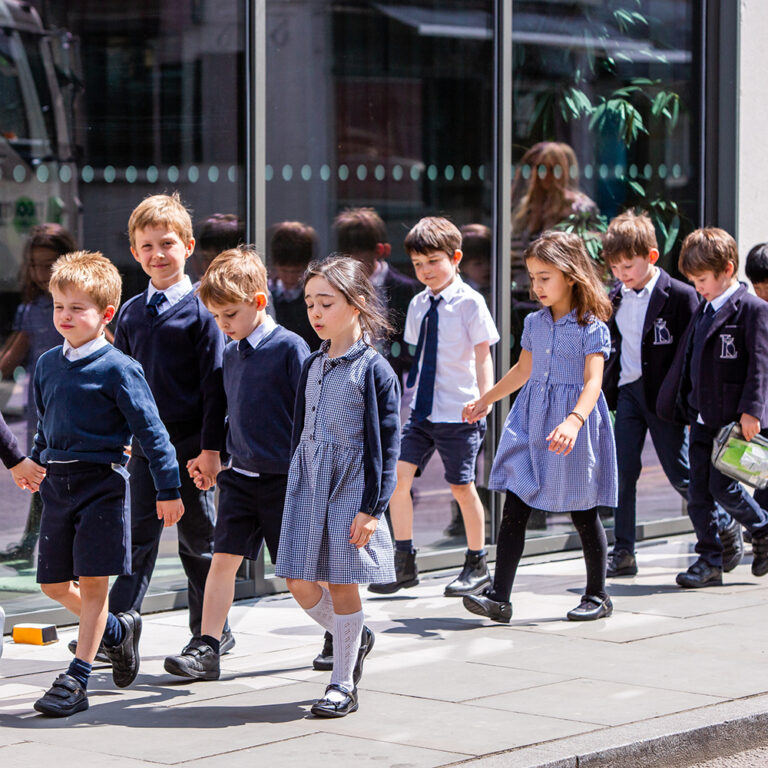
(700,574)
(326,707)
(125,656)
(198,661)
(101,655)
(472,580)
(367,639)
(483,605)
(65,697)
(621,563)
(733,545)
(324,660)
(227,642)
(591,608)
(406,575)
(759,555)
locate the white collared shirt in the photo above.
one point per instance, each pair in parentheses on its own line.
(173,295)
(78,353)
(257,336)
(630,318)
(719,301)
(464,321)
(377,278)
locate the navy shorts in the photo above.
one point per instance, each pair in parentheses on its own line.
(250,513)
(457,443)
(85,528)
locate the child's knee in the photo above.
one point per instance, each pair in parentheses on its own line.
(464,491)
(57,591)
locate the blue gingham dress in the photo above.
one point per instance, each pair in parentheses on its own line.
(325,480)
(587,476)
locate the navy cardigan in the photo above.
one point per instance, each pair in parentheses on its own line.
(382,431)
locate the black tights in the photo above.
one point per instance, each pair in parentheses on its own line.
(509,548)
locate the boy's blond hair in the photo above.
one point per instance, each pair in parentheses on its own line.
(433,233)
(161,211)
(629,235)
(708,249)
(89,272)
(233,276)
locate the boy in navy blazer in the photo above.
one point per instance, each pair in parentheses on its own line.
(719,375)
(651,311)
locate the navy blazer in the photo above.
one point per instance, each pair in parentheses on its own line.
(670,308)
(382,431)
(733,377)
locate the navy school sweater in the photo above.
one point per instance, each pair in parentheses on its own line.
(89,408)
(10,454)
(181,352)
(260,385)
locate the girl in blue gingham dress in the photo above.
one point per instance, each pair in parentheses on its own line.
(346,438)
(557,450)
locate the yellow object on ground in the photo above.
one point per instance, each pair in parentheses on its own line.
(35,634)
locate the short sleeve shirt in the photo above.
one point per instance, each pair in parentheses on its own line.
(463,322)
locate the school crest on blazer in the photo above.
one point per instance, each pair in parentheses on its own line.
(661,334)
(727,347)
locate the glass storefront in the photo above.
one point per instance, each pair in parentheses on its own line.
(386,106)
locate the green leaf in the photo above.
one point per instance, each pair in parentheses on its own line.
(674,231)
(636,187)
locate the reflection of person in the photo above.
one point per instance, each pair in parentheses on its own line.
(548,197)
(169,331)
(756,268)
(361,234)
(557,450)
(292,247)
(34,333)
(346,438)
(718,376)
(90,399)
(264,358)
(476,264)
(651,311)
(452,329)
(217,233)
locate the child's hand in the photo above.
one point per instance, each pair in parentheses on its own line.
(362,528)
(204,469)
(475,410)
(750,426)
(28,475)
(170,512)
(562,437)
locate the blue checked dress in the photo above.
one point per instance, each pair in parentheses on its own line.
(587,476)
(325,480)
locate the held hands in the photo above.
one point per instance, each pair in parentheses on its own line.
(750,426)
(204,469)
(475,410)
(362,528)
(170,512)
(563,437)
(28,475)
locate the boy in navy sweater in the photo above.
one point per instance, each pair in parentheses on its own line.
(90,399)
(719,375)
(261,372)
(168,330)
(651,311)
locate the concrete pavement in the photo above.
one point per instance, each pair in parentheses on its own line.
(672,677)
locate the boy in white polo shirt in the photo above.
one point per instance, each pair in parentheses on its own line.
(452,330)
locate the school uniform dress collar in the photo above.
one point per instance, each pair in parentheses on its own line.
(719,302)
(569,317)
(353,352)
(84,350)
(257,336)
(173,295)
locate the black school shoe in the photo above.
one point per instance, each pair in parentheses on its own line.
(759,555)
(700,574)
(327,708)
(733,546)
(65,697)
(125,656)
(101,655)
(591,608)
(406,575)
(324,660)
(621,563)
(198,661)
(367,639)
(483,605)
(472,580)
(227,642)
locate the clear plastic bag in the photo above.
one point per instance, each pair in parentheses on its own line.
(744,461)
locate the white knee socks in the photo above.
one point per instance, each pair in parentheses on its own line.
(347,630)
(322,611)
